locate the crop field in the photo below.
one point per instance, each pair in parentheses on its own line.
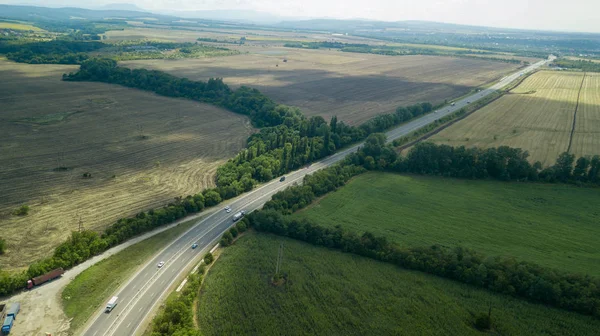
(18,26)
(586,138)
(331,293)
(353,86)
(140,149)
(552,225)
(538,117)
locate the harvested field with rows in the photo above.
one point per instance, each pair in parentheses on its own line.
(538,117)
(353,86)
(140,150)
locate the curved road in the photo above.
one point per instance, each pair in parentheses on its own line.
(151,284)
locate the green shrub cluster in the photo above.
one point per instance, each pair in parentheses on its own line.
(177,318)
(233,232)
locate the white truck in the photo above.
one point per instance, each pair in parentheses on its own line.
(111,304)
(238,215)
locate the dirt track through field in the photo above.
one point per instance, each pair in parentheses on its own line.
(575,114)
(140,149)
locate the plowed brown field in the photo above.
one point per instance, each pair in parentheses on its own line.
(141,150)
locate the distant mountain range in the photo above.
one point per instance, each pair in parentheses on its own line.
(243,16)
(122,7)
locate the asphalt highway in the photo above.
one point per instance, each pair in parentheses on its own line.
(151,284)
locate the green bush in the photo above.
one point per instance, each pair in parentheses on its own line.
(241,225)
(23,210)
(208,258)
(227,239)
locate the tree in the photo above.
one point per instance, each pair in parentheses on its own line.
(211,197)
(227,239)
(208,258)
(234,231)
(564,166)
(594,172)
(581,169)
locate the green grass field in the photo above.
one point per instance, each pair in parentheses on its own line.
(90,289)
(332,293)
(553,225)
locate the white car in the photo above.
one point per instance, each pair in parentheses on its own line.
(227,209)
(161,264)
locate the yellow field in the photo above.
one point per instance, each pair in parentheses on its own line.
(355,87)
(536,116)
(18,26)
(586,139)
(141,149)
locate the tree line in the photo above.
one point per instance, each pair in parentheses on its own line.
(398,51)
(52,52)
(585,65)
(502,163)
(575,292)
(81,246)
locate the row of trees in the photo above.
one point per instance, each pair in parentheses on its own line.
(85,244)
(398,50)
(502,163)
(580,293)
(52,52)
(585,65)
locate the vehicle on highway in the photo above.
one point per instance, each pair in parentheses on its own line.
(238,215)
(228,209)
(282,179)
(452,104)
(111,304)
(161,264)
(468,102)
(194,245)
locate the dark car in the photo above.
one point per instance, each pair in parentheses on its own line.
(194,245)
(282,179)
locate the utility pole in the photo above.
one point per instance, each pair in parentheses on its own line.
(279,259)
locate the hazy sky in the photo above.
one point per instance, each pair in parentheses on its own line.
(573,15)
